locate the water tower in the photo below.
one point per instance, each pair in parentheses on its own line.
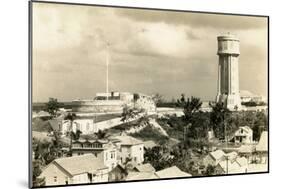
(228,72)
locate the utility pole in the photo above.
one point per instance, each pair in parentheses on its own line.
(226,140)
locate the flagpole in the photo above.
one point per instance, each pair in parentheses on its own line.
(107,62)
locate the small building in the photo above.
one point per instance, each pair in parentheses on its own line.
(118,173)
(244,135)
(247,151)
(105,149)
(262,148)
(149,144)
(147,167)
(85,125)
(43,114)
(129,149)
(141,176)
(213,158)
(171,172)
(75,170)
(228,166)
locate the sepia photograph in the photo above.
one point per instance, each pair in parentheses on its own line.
(123,94)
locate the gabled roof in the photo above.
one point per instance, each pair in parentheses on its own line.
(75,165)
(218,154)
(245,128)
(145,168)
(242,161)
(127,140)
(171,172)
(231,156)
(141,176)
(149,144)
(237,166)
(262,146)
(246,149)
(54,123)
(43,114)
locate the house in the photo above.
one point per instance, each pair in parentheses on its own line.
(244,135)
(85,125)
(227,166)
(149,144)
(231,156)
(171,172)
(141,176)
(213,158)
(75,170)
(43,114)
(262,147)
(129,149)
(105,149)
(118,173)
(147,167)
(247,151)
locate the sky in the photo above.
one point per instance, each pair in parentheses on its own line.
(150,51)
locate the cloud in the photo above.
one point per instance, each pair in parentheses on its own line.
(150,51)
(232,22)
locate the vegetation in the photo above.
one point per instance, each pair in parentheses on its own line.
(41,125)
(130,113)
(210,170)
(158,99)
(150,133)
(36,171)
(73,135)
(52,106)
(253,103)
(218,118)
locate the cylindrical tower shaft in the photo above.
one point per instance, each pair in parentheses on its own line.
(228,75)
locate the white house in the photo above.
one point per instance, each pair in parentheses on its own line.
(75,170)
(105,149)
(244,135)
(86,126)
(129,148)
(213,158)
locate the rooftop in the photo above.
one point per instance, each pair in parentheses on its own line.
(141,176)
(262,146)
(172,172)
(145,168)
(81,164)
(127,140)
(217,154)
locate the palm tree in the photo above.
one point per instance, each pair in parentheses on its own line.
(71,117)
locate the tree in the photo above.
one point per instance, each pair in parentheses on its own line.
(189,105)
(71,117)
(218,116)
(129,113)
(210,170)
(102,134)
(158,99)
(52,106)
(36,171)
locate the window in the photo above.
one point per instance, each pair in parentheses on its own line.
(88,127)
(55,179)
(135,158)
